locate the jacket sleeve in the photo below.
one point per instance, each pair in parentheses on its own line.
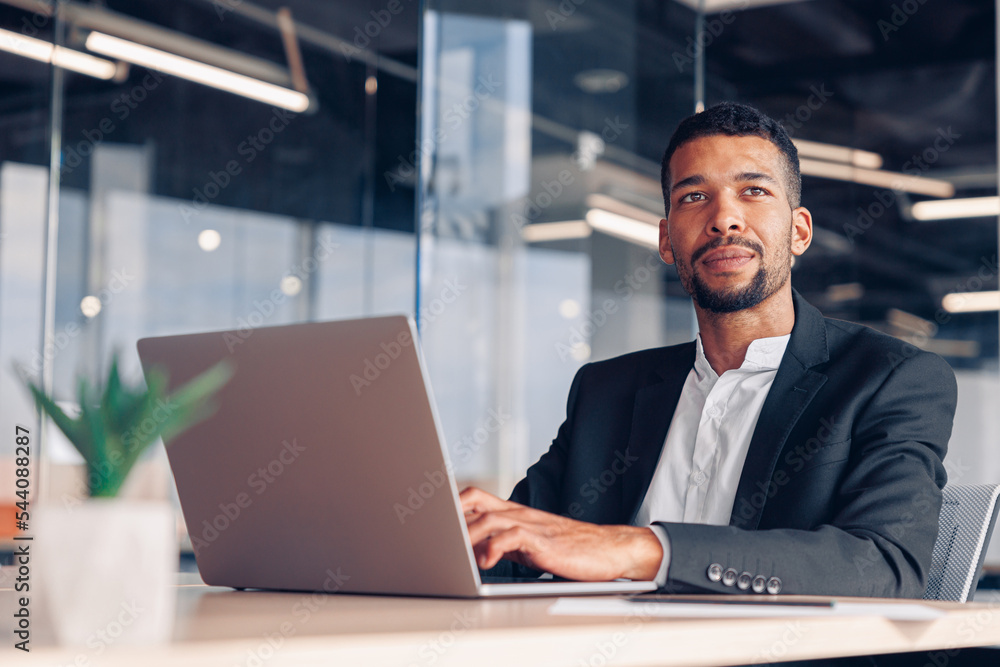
(880,539)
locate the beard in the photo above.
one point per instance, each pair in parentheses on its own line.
(770,277)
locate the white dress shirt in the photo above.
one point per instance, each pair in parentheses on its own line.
(699,470)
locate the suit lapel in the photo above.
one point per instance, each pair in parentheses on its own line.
(794,387)
(651,416)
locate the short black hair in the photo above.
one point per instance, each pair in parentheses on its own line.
(735,120)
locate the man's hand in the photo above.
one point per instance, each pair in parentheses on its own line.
(565,547)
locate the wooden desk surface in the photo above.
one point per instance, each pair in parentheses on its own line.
(217,626)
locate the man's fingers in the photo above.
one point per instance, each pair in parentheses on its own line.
(515,540)
(563,546)
(478,501)
(483,525)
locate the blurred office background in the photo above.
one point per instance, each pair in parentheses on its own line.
(489,167)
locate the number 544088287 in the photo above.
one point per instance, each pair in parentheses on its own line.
(22,472)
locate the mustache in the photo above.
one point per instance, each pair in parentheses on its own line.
(721,241)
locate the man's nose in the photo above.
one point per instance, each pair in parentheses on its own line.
(726,218)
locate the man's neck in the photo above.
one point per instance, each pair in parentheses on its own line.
(725,337)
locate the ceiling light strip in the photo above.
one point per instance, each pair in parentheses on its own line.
(834,153)
(971,302)
(949,209)
(625,228)
(90,16)
(623,209)
(197,72)
(892,180)
(36,49)
(541,232)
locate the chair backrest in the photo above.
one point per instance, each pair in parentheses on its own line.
(966,523)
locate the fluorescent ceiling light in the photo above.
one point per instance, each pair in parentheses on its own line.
(193,70)
(555,231)
(44,52)
(712,6)
(972,207)
(625,228)
(598,81)
(834,153)
(845,292)
(971,302)
(893,180)
(621,208)
(910,323)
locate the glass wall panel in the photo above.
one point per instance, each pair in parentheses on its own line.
(24,129)
(186,207)
(541,123)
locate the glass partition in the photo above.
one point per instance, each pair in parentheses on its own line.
(25,125)
(185,205)
(542,127)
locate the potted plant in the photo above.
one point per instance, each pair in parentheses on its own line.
(106,567)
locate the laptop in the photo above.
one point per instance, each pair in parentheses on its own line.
(324,466)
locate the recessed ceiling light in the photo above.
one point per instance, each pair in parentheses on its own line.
(569,308)
(598,81)
(209,240)
(90,306)
(291,285)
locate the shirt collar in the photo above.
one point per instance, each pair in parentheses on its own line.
(763,354)
(702,368)
(766,353)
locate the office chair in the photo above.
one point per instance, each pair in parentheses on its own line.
(965,525)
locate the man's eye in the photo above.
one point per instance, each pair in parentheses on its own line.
(691,197)
(756,191)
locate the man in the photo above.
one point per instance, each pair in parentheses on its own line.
(778,452)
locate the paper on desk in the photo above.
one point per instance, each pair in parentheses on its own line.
(905,611)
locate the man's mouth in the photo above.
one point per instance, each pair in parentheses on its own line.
(728,258)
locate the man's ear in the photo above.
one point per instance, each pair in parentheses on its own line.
(802,230)
(666,252)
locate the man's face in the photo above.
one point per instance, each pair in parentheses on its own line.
(730,228)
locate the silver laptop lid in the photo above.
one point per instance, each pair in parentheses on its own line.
(324,466)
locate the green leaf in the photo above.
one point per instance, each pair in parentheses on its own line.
(112,434)
(74,429)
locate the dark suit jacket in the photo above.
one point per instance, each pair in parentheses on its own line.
(841,488)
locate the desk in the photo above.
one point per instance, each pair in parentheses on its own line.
(218,626)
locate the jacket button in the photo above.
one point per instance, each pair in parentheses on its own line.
(773,586)
(714,572)
(744,580)
(759,584)
(729,577)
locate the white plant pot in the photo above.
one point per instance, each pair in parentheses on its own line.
(104,572)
